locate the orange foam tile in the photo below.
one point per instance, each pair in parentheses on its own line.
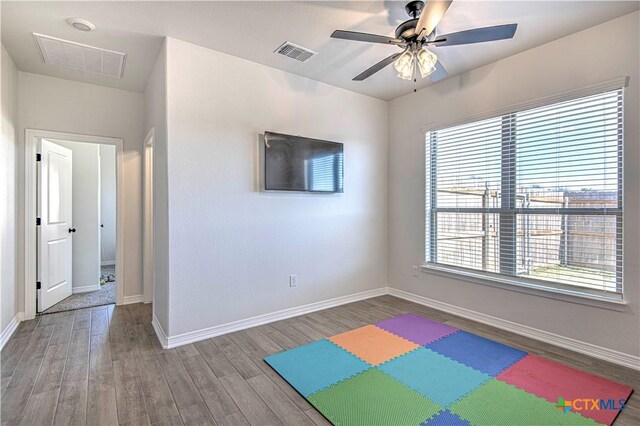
(373,344)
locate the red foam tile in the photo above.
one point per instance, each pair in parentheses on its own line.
(550,380)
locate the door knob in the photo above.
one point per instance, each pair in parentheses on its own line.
(72,230)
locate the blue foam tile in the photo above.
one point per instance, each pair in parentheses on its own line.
(434,376)
(315,366)
(477,352)
(446,418)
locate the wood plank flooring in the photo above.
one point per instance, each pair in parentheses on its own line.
(104,365)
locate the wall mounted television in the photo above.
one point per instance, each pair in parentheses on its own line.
(294,163)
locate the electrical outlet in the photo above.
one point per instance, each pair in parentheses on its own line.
(414,271)
(293,280)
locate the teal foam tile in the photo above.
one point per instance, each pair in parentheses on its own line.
(434,376)
(315,366)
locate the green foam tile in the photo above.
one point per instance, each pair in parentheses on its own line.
(497,403)
(373,398)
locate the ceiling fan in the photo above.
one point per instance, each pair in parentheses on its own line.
(415,34)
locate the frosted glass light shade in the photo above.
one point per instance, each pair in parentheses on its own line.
(426,62)
(405,65)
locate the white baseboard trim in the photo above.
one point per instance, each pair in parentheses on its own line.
(107,263)
(85,289)
(126,300)
(620,358)
(207,333)
(162,336)
(10,329)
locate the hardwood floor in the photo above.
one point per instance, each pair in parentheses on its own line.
(104,365)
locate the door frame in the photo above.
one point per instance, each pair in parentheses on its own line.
(147,222)
(30,212)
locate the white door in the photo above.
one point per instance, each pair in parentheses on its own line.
(55,233)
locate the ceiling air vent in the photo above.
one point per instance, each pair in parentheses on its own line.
(294,51)
(80,57)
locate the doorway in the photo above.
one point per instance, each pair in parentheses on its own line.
(74,252)
(148,254)
(76,237)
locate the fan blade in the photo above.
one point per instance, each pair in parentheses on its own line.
(377,67)
(439,74)
(370,38)
(477,35)
(430,16)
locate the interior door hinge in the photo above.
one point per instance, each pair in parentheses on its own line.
(38,157)
(38,285)
(38,221)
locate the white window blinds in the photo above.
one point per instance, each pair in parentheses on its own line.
(534,195)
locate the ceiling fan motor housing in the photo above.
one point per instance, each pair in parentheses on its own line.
(407,29)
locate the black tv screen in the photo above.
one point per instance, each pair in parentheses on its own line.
(294,163)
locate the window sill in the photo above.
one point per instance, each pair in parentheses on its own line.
(533,289)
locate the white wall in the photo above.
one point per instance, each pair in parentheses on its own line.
(48,103)
(156,118)
(232,247)
(8,206)
(582,59)
(86,215)
(108,203)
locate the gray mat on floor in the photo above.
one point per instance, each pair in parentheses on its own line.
(105,296)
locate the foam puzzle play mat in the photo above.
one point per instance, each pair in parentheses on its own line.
(410,370)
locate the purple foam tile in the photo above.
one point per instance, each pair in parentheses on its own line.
(416,328)
(477,352)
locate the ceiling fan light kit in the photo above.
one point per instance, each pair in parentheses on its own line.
(405,65)
(426,62)
(409,60)
(418,32)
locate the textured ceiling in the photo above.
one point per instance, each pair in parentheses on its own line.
(253,30)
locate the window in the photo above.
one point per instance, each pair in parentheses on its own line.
(533,196)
